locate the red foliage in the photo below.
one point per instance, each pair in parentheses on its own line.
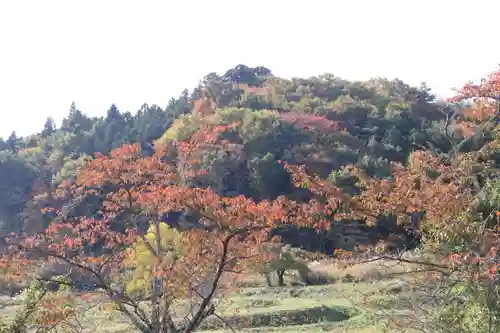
(411,190)
(489,88)
(311,122)
(485,109)
(231,237)
(484,114)
(208,139)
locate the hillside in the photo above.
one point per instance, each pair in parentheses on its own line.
(252,180)
(324,122)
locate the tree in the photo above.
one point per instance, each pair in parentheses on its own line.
(459,257)
(460,228)
(245,74)
(282,259)
(17,177)
(229,238)
(76,121)
(442,198)
(204,107)
(13,142)
(139,260)
(49,127)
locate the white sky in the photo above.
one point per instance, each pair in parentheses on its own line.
(98,52)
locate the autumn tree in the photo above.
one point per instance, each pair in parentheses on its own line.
(457,269)
(451,201)
(137,191)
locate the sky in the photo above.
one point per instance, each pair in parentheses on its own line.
(99,52)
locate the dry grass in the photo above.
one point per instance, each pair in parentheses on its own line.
(369,271)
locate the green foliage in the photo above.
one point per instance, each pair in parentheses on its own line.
(469,307)
(23,320)
(231,115)
(69,169)
(268,179)
(258,124)
(15,174)
(182,128)
(377,122)
(33,297)
(491,196)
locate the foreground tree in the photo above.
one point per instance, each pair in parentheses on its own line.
(188,271)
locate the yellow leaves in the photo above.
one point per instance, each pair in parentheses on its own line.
(145,265)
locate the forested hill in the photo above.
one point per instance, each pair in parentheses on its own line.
(323,122)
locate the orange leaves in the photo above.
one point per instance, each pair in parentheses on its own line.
(12,268)
(204,107)
(477,266)
(485,108)
(125,165)
(481,110)
(488,88)
(339,205)
(342,254)
(466,129)
(316,185)
(493,271)
(311,122)
(208,140)
(94,260)
(56,311)
(231,231)
(207,135)
(426,184)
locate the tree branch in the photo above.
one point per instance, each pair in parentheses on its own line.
(139,322)
(202,312)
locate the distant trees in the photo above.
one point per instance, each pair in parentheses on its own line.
(323,122)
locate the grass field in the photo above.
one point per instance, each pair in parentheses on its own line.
(337,307)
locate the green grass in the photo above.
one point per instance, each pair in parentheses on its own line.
(328,308)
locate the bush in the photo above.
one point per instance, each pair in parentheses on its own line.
(77,278)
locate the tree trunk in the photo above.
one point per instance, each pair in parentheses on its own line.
(268,279)
(157,285)
(281,277)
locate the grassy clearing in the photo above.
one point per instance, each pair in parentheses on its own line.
(336,307)
(330,308)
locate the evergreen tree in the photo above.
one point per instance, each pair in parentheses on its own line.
(49,128)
